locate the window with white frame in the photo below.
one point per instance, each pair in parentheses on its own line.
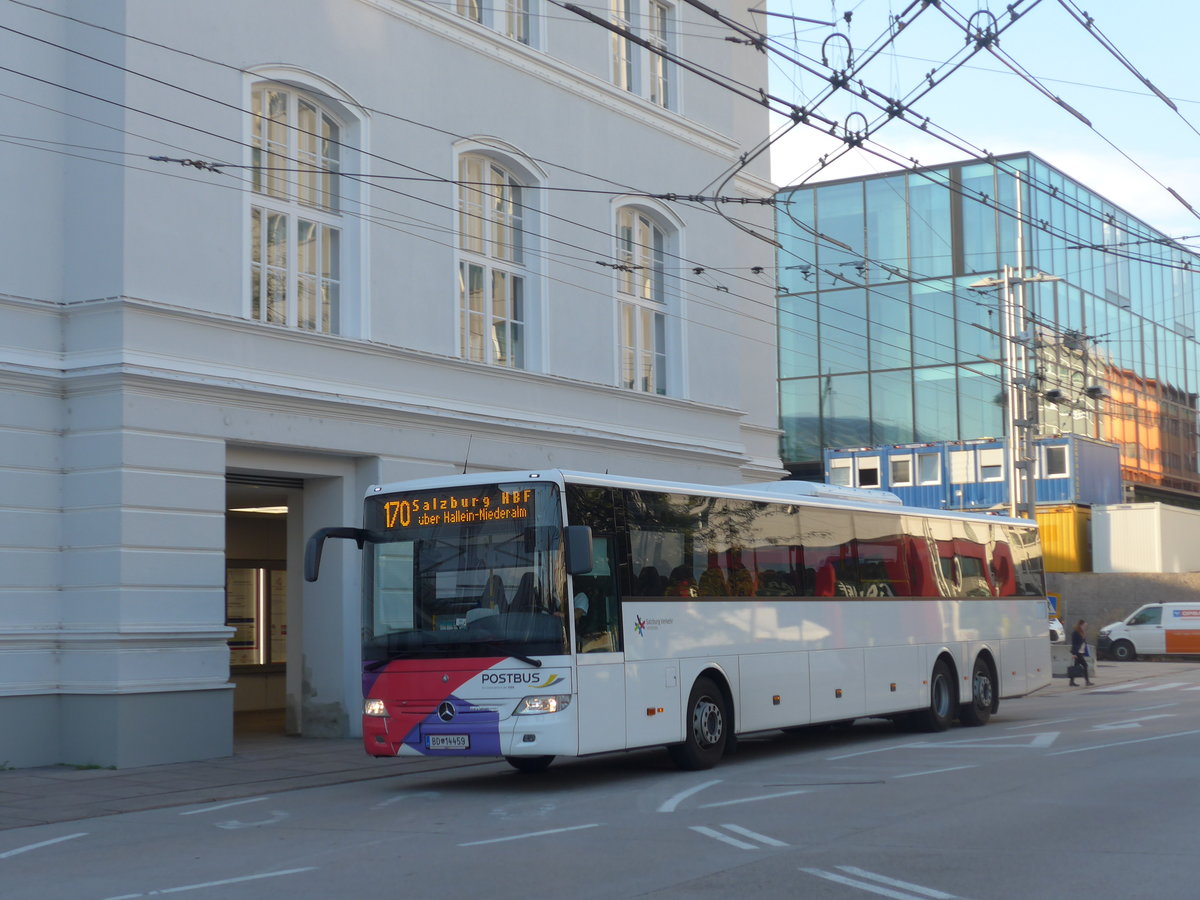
(295,214)
(492,277)
(639,69)
(512,18)
(929,468)
(1055,459)
(641,301)
(900,471)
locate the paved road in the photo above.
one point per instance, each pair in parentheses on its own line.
(1079,790)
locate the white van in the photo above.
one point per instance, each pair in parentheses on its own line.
(1153,630)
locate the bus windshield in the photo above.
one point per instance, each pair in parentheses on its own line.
(473,571)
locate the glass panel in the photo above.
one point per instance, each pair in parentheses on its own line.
(981,401)
(830,564)
(977,202)
(800,418)
(840,216)
(306,281)
(929,226)
(890,329)
(256,257)
(935,402)
(307,158)
(470,286)
(932,324)
(277,143)
(882,567)
(845,401)
(470,9)
(843,338)
(660,353)
(500,315)
(277,238)
(470,173)
(887,233)
(891,405)
(797,336)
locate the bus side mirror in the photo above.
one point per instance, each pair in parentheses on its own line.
(577,542)
(312,550)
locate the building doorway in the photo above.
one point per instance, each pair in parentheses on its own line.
(256,598)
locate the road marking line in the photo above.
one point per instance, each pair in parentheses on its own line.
(222,883)
(894,882)
(863,885)
(876,750)
(193,812)
(930,772)
(1130,723)
(669,805)
(1197,688)
(733,842)
(1116,687)
(1037,741)
(519,837)
(1162,687)
(754,799)
(1041,724)
(1160,737)
(38,846)
(755,836)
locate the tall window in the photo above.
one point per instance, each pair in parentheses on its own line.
(295,216)
(658,20)
(622,47)
(491,271)
(638,69)
(641,301)
(511,18)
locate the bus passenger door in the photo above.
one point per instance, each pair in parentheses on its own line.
(600,662)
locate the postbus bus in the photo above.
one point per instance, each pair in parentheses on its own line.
(549,613)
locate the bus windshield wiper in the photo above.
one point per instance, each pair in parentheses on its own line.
(536,663)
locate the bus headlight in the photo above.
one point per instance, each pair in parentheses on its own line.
(374,708)
(542,704)
(1104,632)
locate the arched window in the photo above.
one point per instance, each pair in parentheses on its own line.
(641,301)
(493,280)
(296,211)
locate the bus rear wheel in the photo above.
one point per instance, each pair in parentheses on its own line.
(529,765)
(983,695)
(940,712)
(707,728)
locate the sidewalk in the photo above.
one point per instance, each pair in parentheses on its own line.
(266,762)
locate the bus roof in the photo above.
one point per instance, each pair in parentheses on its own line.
(785,491)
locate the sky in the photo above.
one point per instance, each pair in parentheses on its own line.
(1135,148)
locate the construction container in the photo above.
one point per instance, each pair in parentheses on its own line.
(1066,538)
(1145,537)
(973,475)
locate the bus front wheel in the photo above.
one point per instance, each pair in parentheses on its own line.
(529,765)
(707,728)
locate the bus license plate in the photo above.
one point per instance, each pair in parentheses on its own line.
(448,741)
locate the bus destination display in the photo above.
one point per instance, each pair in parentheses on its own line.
(466,507)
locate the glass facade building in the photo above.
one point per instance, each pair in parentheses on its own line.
(887,336)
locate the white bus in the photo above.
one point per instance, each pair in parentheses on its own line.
(531,615)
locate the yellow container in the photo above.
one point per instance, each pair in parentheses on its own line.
(1066,538)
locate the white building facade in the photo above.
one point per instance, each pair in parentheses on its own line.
(412,238)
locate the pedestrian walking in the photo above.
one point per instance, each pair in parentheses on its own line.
(1079,652)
